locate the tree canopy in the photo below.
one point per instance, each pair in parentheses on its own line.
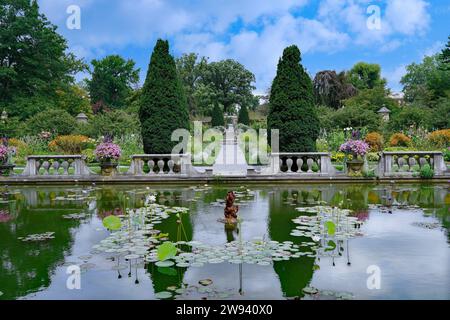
(34,63)
(292,109)
(163,106)
(112,81)
(366,76)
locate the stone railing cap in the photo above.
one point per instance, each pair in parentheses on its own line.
(300,153)
(76,156)
(412,152)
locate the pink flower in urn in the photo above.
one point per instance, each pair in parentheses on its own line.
(3,153)
(357,147)
(108,151)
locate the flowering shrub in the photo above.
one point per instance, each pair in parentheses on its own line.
(107,151)
(375,141)
(356,147)
(3,153)
(71,144)
(440,138)
(399,140)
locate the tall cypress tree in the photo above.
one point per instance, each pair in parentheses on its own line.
(291,102)
(163,105)
(217,118)
(243,115)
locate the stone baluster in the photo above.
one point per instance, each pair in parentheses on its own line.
(310,163)
(161,166)
(289,163)
(65,165)
(299,165)
(412,163)
(151,166)
(55,166)
(46,166)
(170,164)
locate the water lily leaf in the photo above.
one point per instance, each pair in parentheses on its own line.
(112,223)
(331,227)
(163,295)
(167,271)
(331,246)
(205,282)
(166,251)
(164,264)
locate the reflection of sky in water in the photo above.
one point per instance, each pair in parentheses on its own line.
(414,261)
(259,282)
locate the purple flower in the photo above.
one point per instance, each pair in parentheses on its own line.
(3,152)
(108,151)
(357,147)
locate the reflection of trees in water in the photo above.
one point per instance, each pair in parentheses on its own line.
(27,267)
(294,274)
(173,276)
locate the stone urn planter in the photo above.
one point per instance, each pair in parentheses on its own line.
(108,168)
(6,169)
(355,167)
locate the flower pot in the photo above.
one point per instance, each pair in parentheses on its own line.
(108,168)
(354,167)
(6,169)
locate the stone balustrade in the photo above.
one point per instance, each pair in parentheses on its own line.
(56,165)
(314,163)
(407,163)
(160,164)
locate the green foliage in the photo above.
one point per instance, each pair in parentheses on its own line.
(166,251)
(446,153)
(356,116)
(331,228)
(163,106)
(427,81)
(217,119)
(73,99)
(10,128)
(437,120)
(35,63)
(410,116)
(58,122)
(230,83)
(330,88)
(366,76)
(112,81)
(190,68)
(243,115)
(118,123)
(426,172)
(112,223)
(292,109)
(373,100)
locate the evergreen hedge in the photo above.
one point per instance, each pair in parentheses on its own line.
(291,102)
(163,105)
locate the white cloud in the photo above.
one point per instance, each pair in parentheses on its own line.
(408,17)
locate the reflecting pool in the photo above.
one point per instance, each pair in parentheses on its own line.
(399,248)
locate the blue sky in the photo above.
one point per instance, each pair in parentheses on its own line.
(332,34)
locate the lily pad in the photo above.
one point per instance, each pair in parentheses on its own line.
(167,250)
(164,264)
(163,295)
(205,282)
(112,223)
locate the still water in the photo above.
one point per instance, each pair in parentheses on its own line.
(403,241)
